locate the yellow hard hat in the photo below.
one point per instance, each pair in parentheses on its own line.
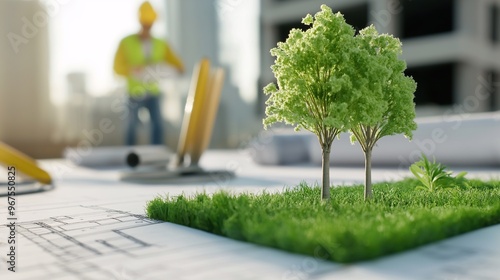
(147,14)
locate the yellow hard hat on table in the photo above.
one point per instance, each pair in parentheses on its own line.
(147,14)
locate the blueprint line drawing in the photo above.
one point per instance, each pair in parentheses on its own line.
(60,235)
(72,240)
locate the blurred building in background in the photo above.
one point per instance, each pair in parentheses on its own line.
(26,113)
(451,46)
(57,84)
(226,32)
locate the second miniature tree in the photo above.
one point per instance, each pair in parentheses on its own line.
(384,100)
(313,83)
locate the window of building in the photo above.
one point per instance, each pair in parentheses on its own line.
(356,16)
(426,17)
(283,29)
(492,87)
(494,13)
(434,84)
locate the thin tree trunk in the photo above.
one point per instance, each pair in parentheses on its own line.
(325,164)
(368,174)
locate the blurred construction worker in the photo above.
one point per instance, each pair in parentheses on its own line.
(137,59)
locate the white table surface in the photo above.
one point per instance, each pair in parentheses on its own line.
(92,226)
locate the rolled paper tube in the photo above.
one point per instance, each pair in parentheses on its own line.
(460,140)
(281,148)
(147,158)
(109,156)
(455,140)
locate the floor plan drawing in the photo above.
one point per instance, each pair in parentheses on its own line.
(75,239)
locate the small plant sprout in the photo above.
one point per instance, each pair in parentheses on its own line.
(314,85)
(383,94)
(433,175)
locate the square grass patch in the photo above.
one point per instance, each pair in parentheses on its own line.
(347,229)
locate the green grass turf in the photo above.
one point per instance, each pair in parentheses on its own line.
(345,230)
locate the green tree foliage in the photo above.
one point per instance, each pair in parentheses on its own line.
(383,94)
(314,87)
(329,81)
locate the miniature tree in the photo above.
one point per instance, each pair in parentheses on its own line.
(384,95)
(314,88)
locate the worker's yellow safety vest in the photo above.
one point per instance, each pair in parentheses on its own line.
(130,55)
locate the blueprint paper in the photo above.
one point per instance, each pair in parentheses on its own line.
(92,226)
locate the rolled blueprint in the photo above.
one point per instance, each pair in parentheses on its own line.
(456,140)
(140,157)
(110,156)
(281,148)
